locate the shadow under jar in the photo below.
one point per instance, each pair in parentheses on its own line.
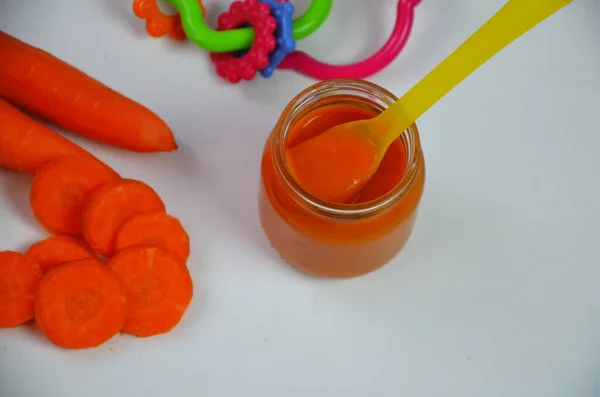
(339,240)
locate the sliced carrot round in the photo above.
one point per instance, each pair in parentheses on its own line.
(61,189)
(155,230)
(19,280)
(113,204)
(159,289)
(58,250)
(80,304)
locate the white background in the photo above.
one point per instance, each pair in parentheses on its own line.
(497,294)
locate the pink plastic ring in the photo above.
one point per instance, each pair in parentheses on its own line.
(309,66)
(233,67)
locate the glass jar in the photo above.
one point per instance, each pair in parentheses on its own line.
(329,239)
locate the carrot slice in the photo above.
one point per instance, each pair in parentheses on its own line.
(80,304)
(61,189)
(113,204)
(159,230)
(26,145)
(58,250)
(159,289)
(19,280)
(48,87)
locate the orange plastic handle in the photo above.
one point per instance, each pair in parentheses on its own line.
(158,23)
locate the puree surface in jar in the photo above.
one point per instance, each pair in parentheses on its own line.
(347,156)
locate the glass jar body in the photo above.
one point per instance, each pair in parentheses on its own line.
(327,239)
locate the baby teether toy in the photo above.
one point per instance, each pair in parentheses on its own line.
(260,36)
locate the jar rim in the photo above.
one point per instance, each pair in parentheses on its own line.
(332,88)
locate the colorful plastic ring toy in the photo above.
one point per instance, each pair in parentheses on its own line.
(258,15)
(242,38)
(282,11)
(307,65)
(158,23)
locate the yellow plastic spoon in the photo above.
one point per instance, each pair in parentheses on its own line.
(325,152)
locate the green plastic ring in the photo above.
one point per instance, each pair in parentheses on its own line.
(240,39)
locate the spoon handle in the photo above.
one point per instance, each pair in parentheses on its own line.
(508,24)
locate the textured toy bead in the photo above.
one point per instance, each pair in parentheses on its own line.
(258,15)
(282,11)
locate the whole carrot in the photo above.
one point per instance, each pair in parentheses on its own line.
(26,145)
(50,88)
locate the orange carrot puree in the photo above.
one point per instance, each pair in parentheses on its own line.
(344,157)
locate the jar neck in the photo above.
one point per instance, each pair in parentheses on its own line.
(342,91)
